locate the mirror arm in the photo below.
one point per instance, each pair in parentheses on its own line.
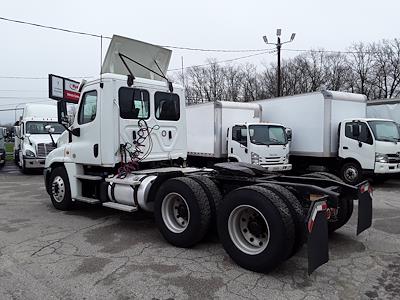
(75,131)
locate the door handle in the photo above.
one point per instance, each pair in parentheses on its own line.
(170,134)
(345,147)
(96,150)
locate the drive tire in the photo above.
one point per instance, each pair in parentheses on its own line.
(279,228)
(213,195)
(351,173)
(60,191)
(172,199)
(345,205)
(296,211)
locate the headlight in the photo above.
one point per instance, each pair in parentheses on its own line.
(382,158)
(287,158)
(29,153)
(255,158)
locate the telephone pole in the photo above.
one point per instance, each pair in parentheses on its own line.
(278,45)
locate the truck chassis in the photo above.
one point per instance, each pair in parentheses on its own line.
(262,218)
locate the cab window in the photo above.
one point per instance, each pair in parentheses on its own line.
(166,106)
(239,134)
(134,103)
(364,132)
(88,108)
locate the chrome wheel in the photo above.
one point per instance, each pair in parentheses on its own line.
(58,189)
(351,174)
(248,229)
(175,212)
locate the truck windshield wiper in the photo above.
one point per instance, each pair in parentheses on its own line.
(388,139)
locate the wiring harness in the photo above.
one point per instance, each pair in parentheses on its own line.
(136,150)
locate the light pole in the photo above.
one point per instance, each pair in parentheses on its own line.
(278,45)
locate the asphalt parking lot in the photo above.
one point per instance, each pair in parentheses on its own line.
(99,253)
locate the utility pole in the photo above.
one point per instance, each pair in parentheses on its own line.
(278,45)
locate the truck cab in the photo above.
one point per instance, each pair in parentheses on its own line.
(369,146)
(37,133)
(264,144)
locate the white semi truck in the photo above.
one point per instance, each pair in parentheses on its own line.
(231,131)
(36,135)
(384,109)
(2,147)
(127,148)
(331,129)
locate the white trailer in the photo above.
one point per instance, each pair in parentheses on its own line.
(384,109)
(36,135)
(126,150)
(330,129)
(231,131)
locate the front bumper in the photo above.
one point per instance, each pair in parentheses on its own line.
(34,163)
(277,168)
(386,168)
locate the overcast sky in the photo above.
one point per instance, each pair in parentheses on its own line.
(225,24)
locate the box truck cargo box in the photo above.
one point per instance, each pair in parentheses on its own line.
(330,129)
(384,109)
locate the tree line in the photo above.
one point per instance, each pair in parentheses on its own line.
(372,69)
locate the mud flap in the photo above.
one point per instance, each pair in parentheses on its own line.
(317,244)
(364,207)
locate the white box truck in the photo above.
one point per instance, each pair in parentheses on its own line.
(36,135)
(330,129)
(232,131)
(384,109)
(126,150)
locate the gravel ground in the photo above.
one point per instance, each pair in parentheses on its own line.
(99,253)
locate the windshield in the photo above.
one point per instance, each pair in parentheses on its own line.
(35,127)
(386,131)
(267,135)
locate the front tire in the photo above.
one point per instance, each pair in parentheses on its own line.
(351,173)
(256,228)
(60,191)
(182,211)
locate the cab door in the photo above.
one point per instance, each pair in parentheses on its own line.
(86,145)
(356,141)
(238,144)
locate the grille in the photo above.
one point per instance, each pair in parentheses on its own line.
(394,158)
(44,149)
(270,160)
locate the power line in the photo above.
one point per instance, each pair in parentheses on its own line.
(223,61)
(20,103)
(41,78)
(107,37)
(23,91)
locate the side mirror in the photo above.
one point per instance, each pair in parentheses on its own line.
(356,130)
(288,134)
(27,135)
(62,113)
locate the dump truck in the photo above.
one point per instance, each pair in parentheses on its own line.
(127,150)
(331,130)
(232,131)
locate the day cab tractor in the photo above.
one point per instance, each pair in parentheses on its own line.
(127,149)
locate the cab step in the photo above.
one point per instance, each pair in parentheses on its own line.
(86,200)
(126,181)
(120,206)
(88,177)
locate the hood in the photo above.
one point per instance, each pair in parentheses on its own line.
(387,147)
(144,53)
(41,138)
